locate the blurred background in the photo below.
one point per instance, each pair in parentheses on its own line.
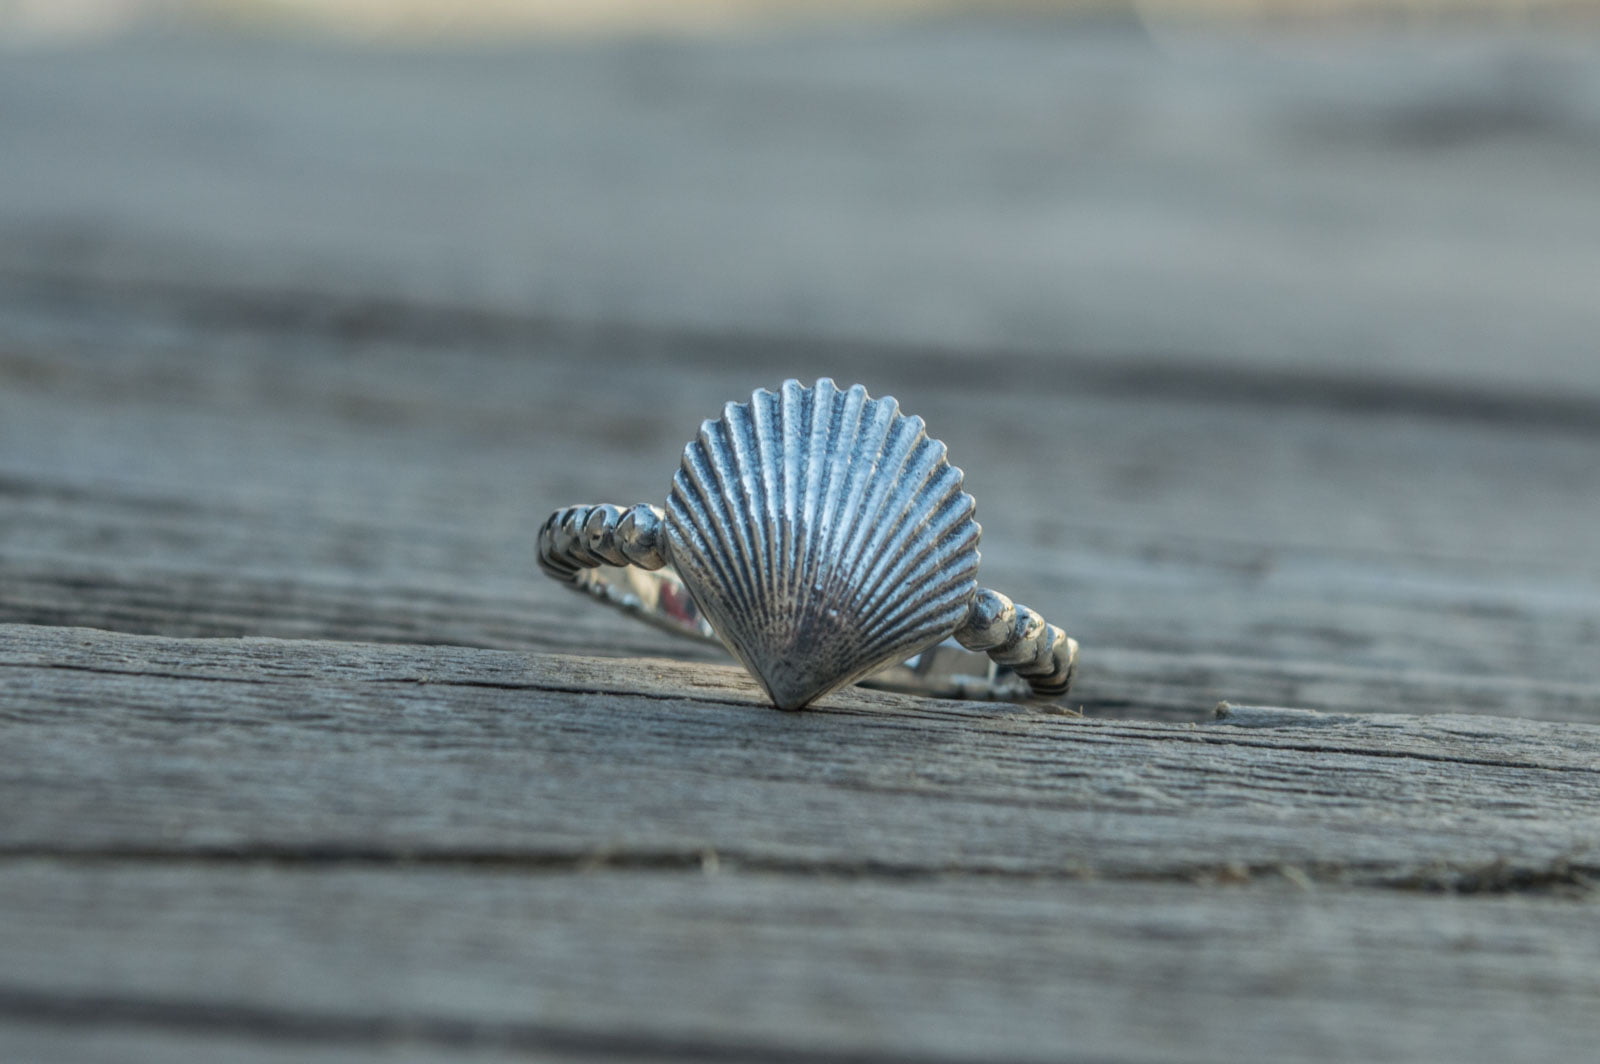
(1389,187)
(497,16)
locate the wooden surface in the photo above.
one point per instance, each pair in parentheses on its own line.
(1277,398)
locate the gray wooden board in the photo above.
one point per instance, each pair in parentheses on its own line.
(1391,207)
(179,464)
(251,843)
(131,1031)
(165,747)
(717,966)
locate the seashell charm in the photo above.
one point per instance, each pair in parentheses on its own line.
(823,534)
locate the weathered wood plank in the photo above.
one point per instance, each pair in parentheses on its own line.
(138,745)
(261,847)
(1397,207)
(316,484)
(1180,684)
(715,965)
(58,1029)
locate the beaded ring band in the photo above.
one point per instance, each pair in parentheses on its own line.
(822,537)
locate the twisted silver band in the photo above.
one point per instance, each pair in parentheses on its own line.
(1001,650)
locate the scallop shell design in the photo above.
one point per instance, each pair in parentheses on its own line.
(824,536)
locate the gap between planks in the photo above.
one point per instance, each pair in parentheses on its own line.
(311,314)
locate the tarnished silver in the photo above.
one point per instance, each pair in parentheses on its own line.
(822,537)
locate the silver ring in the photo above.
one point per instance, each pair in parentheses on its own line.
(821,536)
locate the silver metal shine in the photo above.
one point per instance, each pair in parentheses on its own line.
(823,538)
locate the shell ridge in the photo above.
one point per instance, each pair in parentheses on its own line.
(682,522)
(689,490)
(924,472)
(947,609)
(866,492)
(888,459)
(824,416)
(878,522)
(928,569)
(791,413)
(859,417)
(769,492)
(801,442)
(769,474)
(733,472)
(714,600)
(682,514)
(722,510)
(947,538)
(687,509)
(930,539)
(839,457)
(842,475)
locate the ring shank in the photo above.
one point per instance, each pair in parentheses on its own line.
(1004,652)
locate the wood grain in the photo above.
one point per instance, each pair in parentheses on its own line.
(319,484)
(249,746)
(267,843)
(714,966)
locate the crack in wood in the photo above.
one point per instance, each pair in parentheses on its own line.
(1153,376)
(906,711)
(1564,877)
(298,1026)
